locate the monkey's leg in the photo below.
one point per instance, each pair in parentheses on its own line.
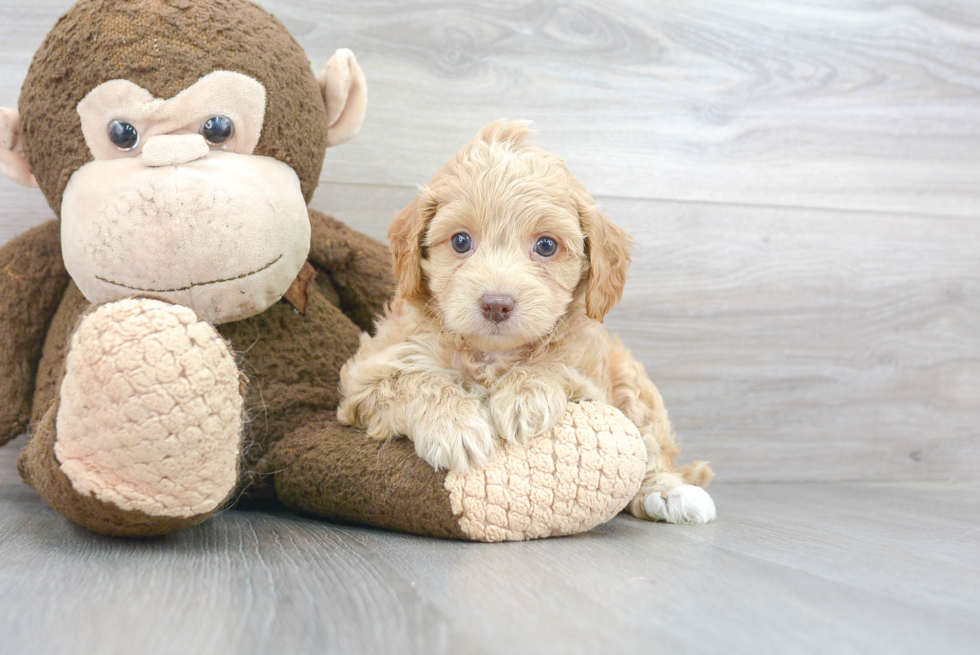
(566,481)
(144,437)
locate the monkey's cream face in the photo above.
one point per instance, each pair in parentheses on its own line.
(175,206)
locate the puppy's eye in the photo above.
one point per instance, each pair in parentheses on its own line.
(546,246)
(462,242)
(217,130)
(123,135)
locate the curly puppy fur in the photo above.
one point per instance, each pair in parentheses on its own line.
(454,367)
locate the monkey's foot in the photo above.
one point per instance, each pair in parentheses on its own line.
(569,480)
(578,475)
(146,433)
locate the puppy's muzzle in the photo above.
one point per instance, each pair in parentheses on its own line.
(497,307)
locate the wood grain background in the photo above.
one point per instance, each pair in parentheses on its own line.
(803,179)
(789,568)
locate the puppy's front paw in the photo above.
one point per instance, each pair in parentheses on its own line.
(682,504)
(455,435)
(525,408)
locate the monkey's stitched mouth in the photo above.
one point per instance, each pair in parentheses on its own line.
(193,284)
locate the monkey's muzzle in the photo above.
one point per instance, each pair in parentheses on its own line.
(224,234)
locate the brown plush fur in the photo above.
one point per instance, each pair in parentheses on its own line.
(32,282)
(292,363)
(164,46)
(402,491)
(341,253)
(51,367)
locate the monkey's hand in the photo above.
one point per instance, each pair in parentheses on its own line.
(358,266)
(32,284)
(150,416)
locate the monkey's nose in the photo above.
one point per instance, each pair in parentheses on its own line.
(174,149)
(497,307)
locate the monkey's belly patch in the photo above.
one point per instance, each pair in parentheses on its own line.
(151,410)
(581,475)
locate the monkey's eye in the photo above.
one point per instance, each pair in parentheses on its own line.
(123,135)
(546,246)
(217,129)
(462,242)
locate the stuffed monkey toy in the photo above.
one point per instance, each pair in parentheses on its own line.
(173,340)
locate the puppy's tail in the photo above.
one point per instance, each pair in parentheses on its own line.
(698,473)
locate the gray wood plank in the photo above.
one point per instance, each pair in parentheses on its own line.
(867,105)
(810,344)
(803,568)
(794,344)
(816,587)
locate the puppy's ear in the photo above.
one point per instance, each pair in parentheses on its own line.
(406,237)
(608,249)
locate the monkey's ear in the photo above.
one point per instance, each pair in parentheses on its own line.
(13,163)
(345,96)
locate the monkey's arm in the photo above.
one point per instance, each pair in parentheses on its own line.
(33,280)
(359,266)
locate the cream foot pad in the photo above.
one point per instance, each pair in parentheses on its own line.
(580,476)
(150,414)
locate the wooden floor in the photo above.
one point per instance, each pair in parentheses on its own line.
(803,178)
(788,568)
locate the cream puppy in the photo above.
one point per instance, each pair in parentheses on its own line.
(505,270)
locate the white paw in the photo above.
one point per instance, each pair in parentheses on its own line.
(683,504)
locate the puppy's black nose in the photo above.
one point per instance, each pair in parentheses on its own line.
(497,308)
